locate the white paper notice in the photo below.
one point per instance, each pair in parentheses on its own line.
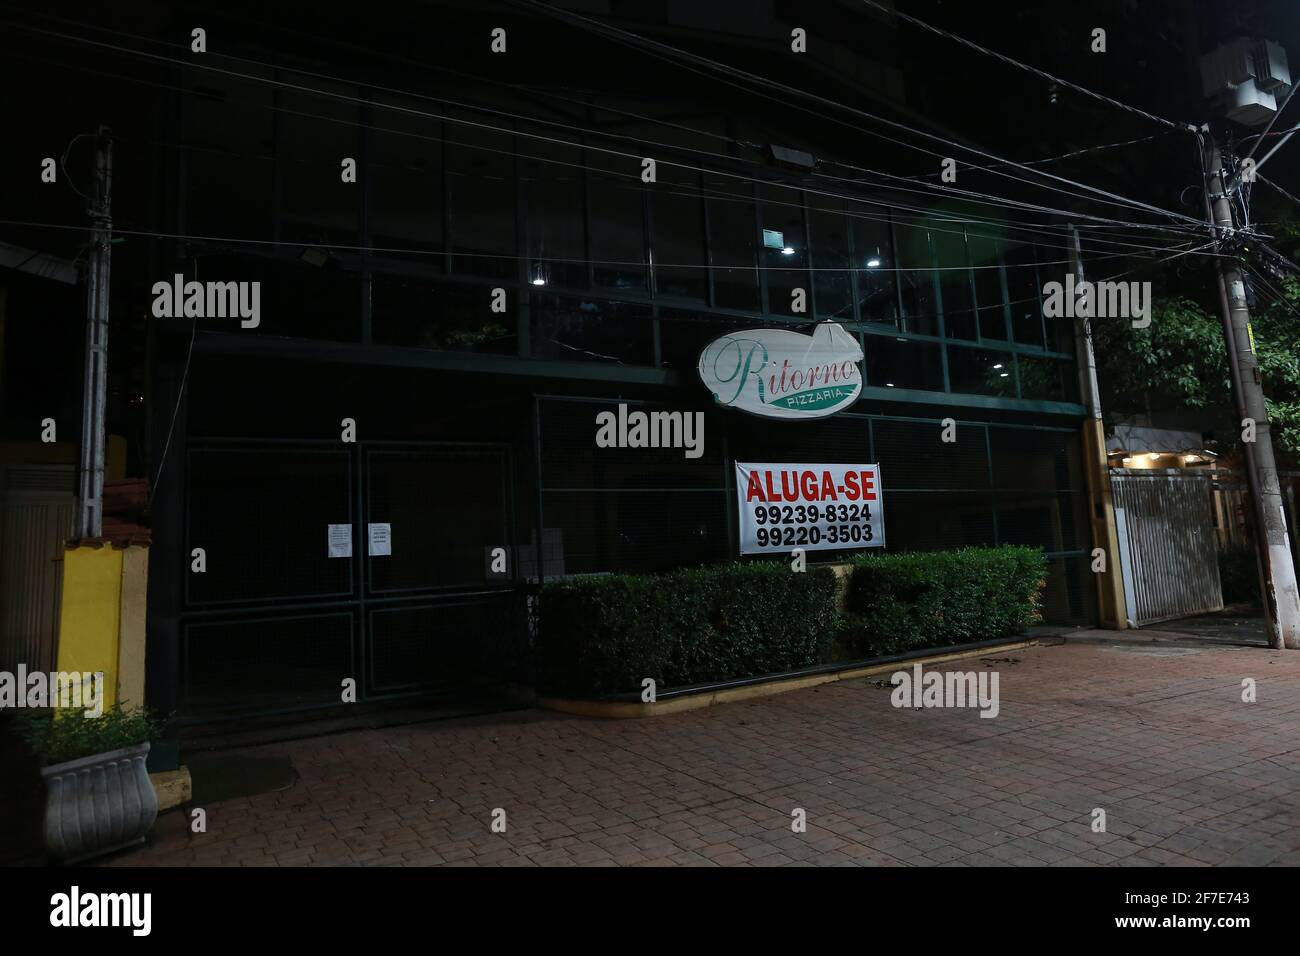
(381,539)
(340,538)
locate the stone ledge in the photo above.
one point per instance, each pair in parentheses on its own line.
(622,709)
(173,787)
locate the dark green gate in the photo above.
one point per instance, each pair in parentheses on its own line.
(325,561)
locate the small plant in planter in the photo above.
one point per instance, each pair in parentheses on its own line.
(98,796)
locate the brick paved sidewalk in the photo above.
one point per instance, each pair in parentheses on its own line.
(1157,737)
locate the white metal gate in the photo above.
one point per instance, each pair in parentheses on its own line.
(37,511)
(1168,543)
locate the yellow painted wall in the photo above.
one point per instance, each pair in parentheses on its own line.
(89,618)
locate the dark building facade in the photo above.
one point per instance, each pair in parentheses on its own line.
(435,339)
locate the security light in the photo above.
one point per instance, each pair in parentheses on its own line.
(788,251)
(999,365)
(873,263)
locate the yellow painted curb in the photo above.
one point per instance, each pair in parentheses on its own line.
(173,787)
(707,698)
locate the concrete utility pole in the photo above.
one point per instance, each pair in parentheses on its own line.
(90,494)
(1277,571)
(1101,501)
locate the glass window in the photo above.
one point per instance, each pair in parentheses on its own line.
(295,299)
(679,263)
(317,205)
(828,235)
(553,198)
(954,280)
(916,277)
(617,226)
(569,328)
(230,168)
(1048,379)
(785,248)
(981,371)
(422,314)
(894,362)
(731,243)
(986,263)
(405,172)
(684,334)
(481,196)
(1023,295)
(874,263)
(1060,334)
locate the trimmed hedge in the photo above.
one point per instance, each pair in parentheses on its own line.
(605,634)
(902,602)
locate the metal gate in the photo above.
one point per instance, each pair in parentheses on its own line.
(371,562)
(37,513)
(1168,543)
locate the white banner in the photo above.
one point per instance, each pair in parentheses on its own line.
(813,507)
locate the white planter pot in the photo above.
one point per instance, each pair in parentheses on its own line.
(97,804)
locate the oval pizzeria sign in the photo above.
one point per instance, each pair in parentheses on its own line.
(783,374)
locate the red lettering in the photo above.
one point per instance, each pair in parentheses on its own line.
(828,487)
(790,489)
(851,489)
(868,486)
(754,489)
(808,485)
(771,492)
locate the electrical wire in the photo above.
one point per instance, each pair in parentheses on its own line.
(1042,74)
(407,251)
(984,197)
(1278,296)
(516,116)
(1055,159)
(1041,228)
(1262,179)
(675,54)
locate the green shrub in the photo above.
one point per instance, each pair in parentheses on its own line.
(902,602)
(605,634)
(67,736)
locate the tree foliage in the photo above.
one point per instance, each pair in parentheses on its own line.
(1179,360)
